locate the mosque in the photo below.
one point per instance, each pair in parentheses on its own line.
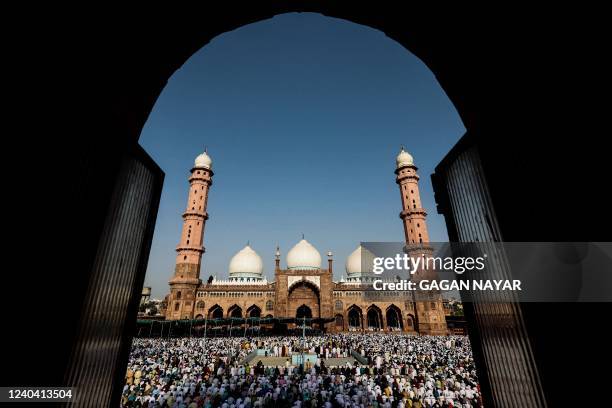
(303,288)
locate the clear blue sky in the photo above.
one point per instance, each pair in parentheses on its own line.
(303,116)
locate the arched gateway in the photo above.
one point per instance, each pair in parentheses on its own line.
(304,300)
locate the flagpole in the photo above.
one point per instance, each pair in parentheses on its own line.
(303,341)
(204,343)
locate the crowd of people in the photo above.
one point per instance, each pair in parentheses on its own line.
(375,370)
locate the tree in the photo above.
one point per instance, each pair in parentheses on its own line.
(152,310)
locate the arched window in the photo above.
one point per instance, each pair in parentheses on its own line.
(200,305)
(178,295)
(176,306)
(269,305)
(338,305)
(433,305)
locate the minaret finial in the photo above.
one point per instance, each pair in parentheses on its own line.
(206,149)
(248,242)
(402,147)
(302,235)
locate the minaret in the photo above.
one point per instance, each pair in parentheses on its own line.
(191,246)
(413,215)
(429,312)
(277,256)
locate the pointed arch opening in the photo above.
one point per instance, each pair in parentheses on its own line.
(215,312)
(355,318)
(394,318)
(254,311)
(374,318)
(234,311)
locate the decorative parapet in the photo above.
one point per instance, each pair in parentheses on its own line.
(228,282)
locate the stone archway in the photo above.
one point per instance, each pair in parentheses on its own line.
(215,312)
(234,311)
(253,311)
(393,317)
(304,293)
(127,99)
(355,318)
(374,318)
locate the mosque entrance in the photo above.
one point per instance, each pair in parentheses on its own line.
(303,312)
(304,295)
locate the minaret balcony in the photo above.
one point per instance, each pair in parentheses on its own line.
(409,176)
(196,214)
(199,249)
(413,211)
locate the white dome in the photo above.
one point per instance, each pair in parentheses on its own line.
(204,161)
(360,261)
(303,256)
(404,159)
(246,263)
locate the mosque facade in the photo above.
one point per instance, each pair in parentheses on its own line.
(304,288)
